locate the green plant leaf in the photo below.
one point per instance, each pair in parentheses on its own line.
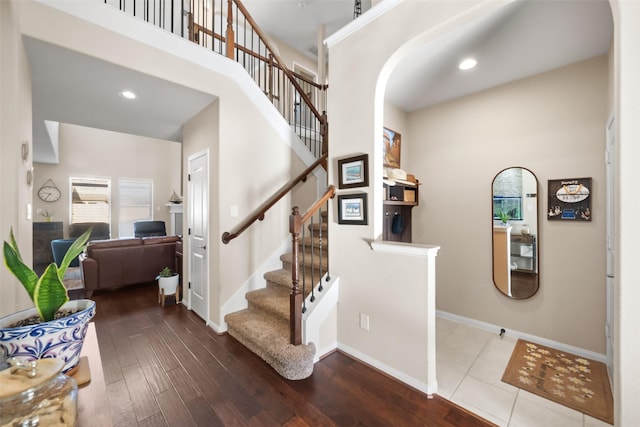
(50,293)
(47,292)
(74,250)
(14,263)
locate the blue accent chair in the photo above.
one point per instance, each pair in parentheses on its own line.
(59,247)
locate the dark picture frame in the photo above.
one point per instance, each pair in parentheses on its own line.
(353,172)
(569,199)
(391,141)
(352,209)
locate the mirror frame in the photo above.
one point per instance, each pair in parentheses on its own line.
(533,239)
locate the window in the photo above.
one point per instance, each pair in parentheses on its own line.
(136,204)
(90,200)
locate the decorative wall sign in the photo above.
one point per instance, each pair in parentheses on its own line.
(569,199)
(354,172)
(391,145)
(352,209)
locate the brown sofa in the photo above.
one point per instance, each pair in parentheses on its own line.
(121,262)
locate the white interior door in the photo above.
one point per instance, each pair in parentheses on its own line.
(198,232)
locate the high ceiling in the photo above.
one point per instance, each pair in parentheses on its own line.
(520,39)
(296,22)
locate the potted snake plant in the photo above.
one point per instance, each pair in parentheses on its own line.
(55,327)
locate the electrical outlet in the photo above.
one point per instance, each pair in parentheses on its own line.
(364,321)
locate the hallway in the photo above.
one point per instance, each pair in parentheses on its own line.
(470,364)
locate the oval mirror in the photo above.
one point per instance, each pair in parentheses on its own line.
(515,232)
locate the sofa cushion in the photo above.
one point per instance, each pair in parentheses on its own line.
(97,245)
(159,240)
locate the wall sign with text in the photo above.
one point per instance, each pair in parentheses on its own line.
(569,199)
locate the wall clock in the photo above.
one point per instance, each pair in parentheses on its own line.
(49,192)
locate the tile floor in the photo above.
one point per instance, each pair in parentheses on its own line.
(470,363)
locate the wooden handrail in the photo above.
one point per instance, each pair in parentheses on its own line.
(272,51)
(259,213)
(296,222)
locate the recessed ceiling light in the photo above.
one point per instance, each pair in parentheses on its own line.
(128,94)
(467,64)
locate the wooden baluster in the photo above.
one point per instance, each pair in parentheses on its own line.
(270,78)
(230,33)
(295,298)
(324,137)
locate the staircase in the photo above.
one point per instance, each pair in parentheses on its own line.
(264,328)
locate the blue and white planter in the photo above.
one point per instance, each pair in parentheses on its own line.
(61,338)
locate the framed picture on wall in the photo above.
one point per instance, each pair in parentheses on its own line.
(354,172)
(569,199)
(352,209)
(391,145)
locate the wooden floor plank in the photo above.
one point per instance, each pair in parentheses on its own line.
(156,420)
(165,367)
(154,373)
(173,409)
(142,398)
(162,349)
(122,413)
(203,413)
(183,384)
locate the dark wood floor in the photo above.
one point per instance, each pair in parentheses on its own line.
(164,367)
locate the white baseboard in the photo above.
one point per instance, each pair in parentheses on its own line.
(216,328)
(523,335)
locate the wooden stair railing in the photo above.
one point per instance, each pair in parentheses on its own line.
(227,28)
(259,213)
(243,41)
(296,226)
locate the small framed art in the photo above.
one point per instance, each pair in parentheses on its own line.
(352,209)
(391,144)
(353,172)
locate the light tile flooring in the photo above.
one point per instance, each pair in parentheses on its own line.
(470,363)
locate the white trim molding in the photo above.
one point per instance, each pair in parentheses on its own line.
(523,335)
(362,21)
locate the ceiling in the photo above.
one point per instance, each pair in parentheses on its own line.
(70,87)
(521,39)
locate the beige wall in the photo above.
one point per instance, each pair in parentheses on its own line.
(388,288)
(87,152)
(553,124)
(15,129)
(356,112)
(251,148)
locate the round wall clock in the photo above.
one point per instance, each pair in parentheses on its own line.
(49,192)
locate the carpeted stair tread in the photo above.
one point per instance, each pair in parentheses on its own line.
(309,241)
(271,301)
(316,227)
(282,279)
(287,260)
(264,326)
(269,339)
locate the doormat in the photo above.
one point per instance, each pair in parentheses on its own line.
(567,379)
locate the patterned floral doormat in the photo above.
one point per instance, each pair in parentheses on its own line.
(565,378)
